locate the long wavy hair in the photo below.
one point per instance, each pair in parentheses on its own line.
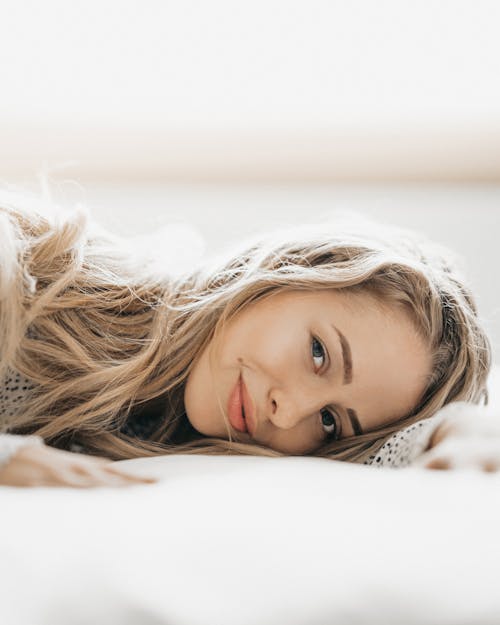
(106,338)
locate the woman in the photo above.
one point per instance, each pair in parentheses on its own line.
(321,340)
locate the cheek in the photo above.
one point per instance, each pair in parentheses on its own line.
(270,348)
(200,400)
(299,441)
(249,341)
(193,395)
(272,332)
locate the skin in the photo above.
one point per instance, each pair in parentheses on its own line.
(290,381)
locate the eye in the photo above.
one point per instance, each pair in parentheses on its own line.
(329,424)
(318,351)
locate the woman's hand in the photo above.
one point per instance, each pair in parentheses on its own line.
(467,438)
(40,465)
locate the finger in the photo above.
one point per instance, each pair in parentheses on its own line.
(73,481)
(90,475)
(111,466)
(433,460)
(104,470)
(439,464)
(129,477)
(98,481)
(109,476)
(490,467)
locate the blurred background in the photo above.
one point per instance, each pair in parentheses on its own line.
(214,119)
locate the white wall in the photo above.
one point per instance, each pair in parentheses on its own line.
(267,89)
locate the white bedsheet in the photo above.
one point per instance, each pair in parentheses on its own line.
(255,541)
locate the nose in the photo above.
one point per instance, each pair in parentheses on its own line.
(286,411)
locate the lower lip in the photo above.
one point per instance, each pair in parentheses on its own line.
(234,409)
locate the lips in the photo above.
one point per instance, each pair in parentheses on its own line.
(234,408)
(240,408)
(247,407)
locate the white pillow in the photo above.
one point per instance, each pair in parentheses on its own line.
(255,541)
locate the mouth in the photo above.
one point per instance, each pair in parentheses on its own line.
(236,410)
(247,408)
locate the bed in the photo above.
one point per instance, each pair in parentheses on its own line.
(255,541)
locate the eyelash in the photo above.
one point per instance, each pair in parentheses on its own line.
(337,429)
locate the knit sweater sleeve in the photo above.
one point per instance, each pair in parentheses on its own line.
(405,446)
(13,391)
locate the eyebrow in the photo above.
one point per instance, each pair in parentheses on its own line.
(346,356)
(353,418)
(347,365)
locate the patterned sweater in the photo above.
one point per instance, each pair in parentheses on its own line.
(400,450)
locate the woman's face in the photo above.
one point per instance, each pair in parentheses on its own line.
(314,365)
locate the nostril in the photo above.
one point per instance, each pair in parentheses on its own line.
(274,406)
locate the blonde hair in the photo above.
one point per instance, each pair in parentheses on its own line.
(105,338)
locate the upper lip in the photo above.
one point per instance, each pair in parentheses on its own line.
(248,407)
